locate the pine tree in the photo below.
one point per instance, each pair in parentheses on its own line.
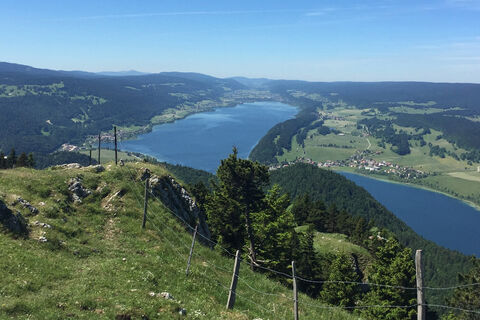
(3,161)
(22,160)
(31,161)
(394,266)
(467,297)
(340,293)
(11,159)
(274,230)
(308,263)
(237,195)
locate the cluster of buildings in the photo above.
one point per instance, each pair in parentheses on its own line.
(69,147)
(364,164)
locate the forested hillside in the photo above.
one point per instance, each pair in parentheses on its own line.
(442,265)
(41,109)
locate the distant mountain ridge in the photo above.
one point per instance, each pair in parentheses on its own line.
(42,109)
(122,73)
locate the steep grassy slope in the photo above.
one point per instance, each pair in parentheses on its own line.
(98,263)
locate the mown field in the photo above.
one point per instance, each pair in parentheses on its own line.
(455,177)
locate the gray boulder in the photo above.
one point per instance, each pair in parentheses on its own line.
(14,222)
(77,189)
(180,202)
(26,205)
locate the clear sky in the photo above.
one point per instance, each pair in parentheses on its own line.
(310,40)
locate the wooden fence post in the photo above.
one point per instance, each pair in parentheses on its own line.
(115,134)
(99,148)
(191,250)
(295,293)
(145,204)
(233,286)
(420,292)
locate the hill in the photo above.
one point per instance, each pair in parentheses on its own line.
(86,256)
(42,109)
(441,265)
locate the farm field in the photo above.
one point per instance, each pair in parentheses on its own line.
(449,175)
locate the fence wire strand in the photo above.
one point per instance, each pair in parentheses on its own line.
(244,282)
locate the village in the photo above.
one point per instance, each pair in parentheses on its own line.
(362,163)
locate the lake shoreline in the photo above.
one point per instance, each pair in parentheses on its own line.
(170,117)
(414,185)
(179,142)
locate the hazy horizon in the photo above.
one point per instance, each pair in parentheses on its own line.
(433,41)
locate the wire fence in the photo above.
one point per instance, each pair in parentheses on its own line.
(155,221)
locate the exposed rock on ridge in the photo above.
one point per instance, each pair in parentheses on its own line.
(13,222)
(177,199)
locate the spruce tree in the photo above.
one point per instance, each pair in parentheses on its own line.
(393,266)
(308,263)
(274,230)
(3,161)
(22,160)
(238,194)
(340,291)
(11,159)
(467,297)
(31,161)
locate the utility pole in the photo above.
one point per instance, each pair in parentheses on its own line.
(99,138)
(115,134)
(420,293)
(90,157)
(145,204)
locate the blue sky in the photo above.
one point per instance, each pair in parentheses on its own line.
(310,40)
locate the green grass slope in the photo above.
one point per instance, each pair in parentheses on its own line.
(97,262)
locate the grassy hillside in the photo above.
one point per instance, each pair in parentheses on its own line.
(98,263)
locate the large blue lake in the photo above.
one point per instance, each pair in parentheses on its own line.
(201,140)
(437,217)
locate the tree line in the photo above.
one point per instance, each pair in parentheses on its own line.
(244,212)
(11,160)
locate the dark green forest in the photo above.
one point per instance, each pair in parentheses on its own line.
(36,115)
(351,209)
(442,265)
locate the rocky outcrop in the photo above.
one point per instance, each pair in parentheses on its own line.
(68,166)
(26,205)
(13,222)
(77,190)
(178,200)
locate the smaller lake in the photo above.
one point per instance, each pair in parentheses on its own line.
(201,140)
(445,220)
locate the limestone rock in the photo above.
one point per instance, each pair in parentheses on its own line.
(179,201)
(97,168)
(26,205)
(13,222)
(68,166)
(42,224)
(77,189)
(166,295)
